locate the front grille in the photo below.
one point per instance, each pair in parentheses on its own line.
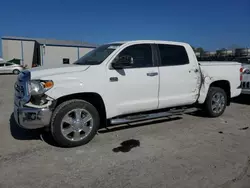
(21,87)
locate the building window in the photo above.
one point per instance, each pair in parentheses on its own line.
(65,60)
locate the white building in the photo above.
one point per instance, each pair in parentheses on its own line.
(33,51)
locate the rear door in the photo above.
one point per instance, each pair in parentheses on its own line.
(178,77)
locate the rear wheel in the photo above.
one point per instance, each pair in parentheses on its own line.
(216,102)
(16,71)
(74,123)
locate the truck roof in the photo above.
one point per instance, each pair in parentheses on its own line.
(151,41)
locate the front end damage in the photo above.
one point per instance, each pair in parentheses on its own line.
(31,112)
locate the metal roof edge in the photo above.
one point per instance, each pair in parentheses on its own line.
(47,42)
(23,39)
(67,45)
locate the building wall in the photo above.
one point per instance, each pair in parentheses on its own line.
(28,52)
(83,51)
(50,55)
(11,49)
(54,55)
(5,49)
(22,50)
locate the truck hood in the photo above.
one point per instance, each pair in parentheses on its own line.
(43,71)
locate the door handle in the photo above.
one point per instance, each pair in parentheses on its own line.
(152,73)
(194,70)
(113,79)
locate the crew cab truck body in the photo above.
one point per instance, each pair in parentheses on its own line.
(119,83)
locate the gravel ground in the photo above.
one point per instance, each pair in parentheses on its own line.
(187,151)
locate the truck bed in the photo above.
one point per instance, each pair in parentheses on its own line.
(218,63)
(216,70)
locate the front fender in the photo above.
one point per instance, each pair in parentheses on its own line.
(65,88)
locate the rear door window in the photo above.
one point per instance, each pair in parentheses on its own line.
(172,55)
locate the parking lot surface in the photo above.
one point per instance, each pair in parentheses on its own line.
(187,151)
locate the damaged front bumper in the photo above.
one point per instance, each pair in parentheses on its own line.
(32,118)
(26,115)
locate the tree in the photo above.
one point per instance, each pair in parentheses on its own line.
(200,49)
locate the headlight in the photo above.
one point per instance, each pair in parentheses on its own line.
(38,87)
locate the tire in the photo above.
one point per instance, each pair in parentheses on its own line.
(16,71)
(57,123)
(208,107)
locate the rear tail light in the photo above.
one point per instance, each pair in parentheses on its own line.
(241,72)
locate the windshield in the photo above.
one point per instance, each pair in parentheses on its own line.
(98,55)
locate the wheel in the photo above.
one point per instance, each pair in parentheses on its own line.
(16,71)
(216,102)
(74,123)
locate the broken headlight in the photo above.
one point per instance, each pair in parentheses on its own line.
(39,87)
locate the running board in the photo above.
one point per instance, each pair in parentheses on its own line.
(143,117)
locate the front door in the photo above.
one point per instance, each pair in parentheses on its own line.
(179,77)
(135,88)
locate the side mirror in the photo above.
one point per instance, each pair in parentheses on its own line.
(123,62)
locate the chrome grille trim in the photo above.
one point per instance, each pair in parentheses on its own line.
(21,88)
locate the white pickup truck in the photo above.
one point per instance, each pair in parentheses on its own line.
(122,82)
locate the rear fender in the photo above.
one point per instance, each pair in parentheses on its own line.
(209,82)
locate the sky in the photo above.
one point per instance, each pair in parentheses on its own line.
(210,24)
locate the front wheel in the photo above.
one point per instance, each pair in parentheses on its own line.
(74,123)
(216,102)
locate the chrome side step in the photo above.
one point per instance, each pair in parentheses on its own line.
(143,117)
